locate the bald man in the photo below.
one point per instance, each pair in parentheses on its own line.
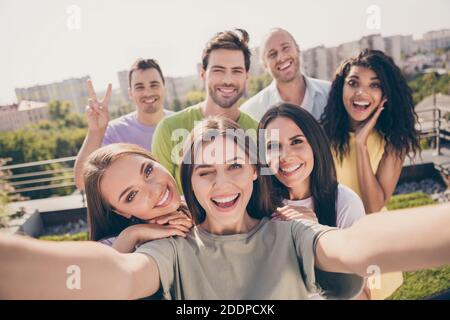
(280,56)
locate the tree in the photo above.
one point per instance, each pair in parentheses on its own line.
(59,110)
(176,105)
(257,83)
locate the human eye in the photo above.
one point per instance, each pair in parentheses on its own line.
(352,83)
(296,141)
(131,196)
(235,166)
(148,170)
(376,85)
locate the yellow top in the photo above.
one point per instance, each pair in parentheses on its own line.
(381,286)
(346,170)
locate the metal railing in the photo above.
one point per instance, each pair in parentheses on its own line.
(40,179)
(434,127)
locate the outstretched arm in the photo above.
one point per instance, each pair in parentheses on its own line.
(36,269)
(410,239)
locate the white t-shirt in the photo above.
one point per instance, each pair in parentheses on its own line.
(349,206)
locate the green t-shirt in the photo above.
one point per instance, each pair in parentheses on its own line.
(171,132)
(275,260)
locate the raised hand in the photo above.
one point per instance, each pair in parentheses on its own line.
(97,113)
(363,131)
(177,219)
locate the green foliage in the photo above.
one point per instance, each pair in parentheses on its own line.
(59,110)
(122,110)
(81,236)
(410,200)
(425,85)
(62,136)
(422,284)
(257,83)
(176,105)
(425,143)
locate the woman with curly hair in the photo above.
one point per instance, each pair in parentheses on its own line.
(369,120)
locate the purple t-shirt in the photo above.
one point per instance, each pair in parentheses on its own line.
(128,129)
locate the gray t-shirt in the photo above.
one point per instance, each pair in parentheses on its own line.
(275,260)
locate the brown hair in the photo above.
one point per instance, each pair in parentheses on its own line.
(103,222)
(261,203)
(228,40)
(144,64)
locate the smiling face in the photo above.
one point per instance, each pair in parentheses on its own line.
(225,77)
(281,56)
(136,186)
(222,182)
(290,156)
(147,90)
(362,94)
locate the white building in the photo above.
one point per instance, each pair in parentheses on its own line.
(73,90)
(17,116)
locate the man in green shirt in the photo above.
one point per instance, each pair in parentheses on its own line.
(225,65)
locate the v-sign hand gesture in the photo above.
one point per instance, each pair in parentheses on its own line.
(363,131)
(97,113)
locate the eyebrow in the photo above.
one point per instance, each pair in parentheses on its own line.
(297,136)
(129,188)
(232,160)
(151,82)
(357,77)
(292,138)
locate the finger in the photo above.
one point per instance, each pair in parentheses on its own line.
(180,227)
(91,90)
(177,230)
(107,96)
(182,221)
(376,115)
(168,217)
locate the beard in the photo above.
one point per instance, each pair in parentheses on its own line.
(225,102)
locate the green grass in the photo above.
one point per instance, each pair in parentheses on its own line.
(409,200)
(425,283)
(422,284)
(81,236)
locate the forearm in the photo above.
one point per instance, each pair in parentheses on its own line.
(126,241)
(92,142)
(34,269)
(406,240)
(372,193)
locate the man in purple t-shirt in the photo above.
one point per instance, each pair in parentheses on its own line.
(147,91)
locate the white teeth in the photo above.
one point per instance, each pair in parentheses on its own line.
(290,169)
(361,103)
(149,100)
(226,90)
(164,198)
(285,66)
(226,199)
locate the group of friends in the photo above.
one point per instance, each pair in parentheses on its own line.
(281,197)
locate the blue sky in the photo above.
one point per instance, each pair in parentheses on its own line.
(37,47)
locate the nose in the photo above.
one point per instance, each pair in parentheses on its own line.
(227,78)
(222,179)
(285,154)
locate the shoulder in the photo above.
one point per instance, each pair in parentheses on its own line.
(126,120)
(320,86)
(176,120)
(261,98)
(246,121)
(349,207)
